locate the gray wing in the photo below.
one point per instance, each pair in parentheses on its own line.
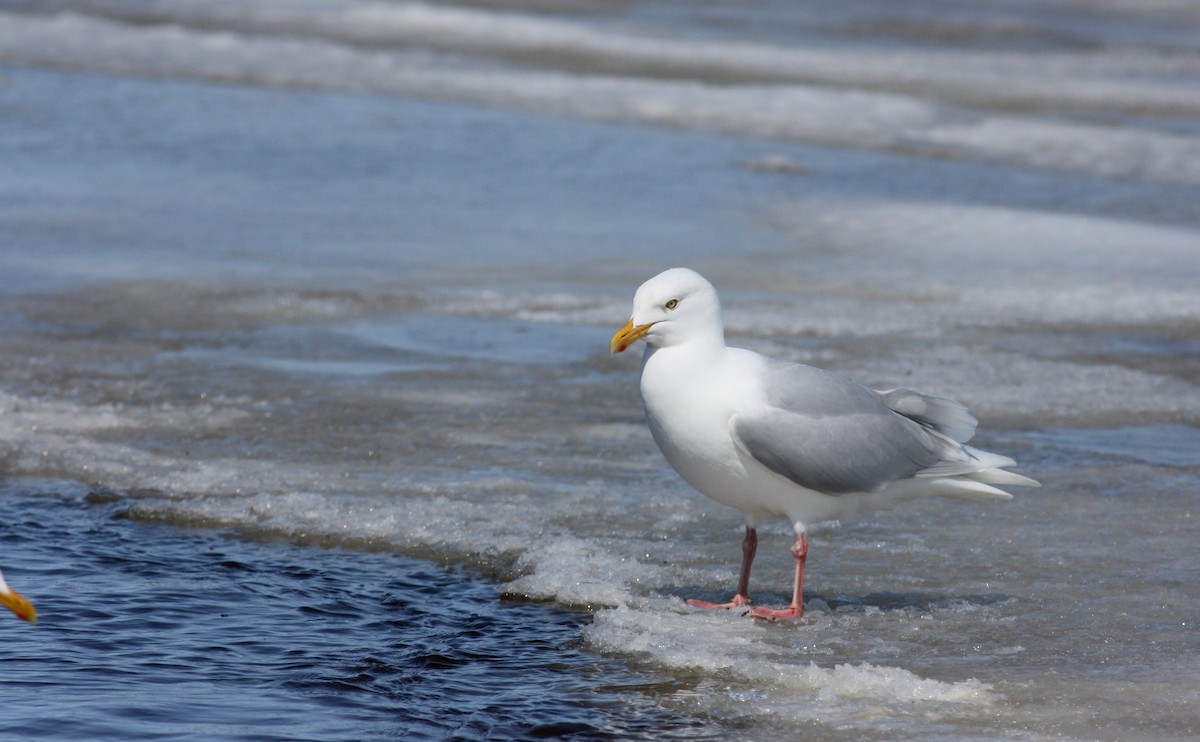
(830,434)
(950,418)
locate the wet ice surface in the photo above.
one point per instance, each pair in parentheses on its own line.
(322,350)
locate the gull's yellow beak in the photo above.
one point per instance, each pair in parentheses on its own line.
(627,336)
(19,605)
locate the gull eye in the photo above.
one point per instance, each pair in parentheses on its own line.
(672,304)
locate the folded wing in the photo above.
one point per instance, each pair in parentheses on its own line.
(828,433)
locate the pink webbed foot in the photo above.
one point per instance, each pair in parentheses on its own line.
(738,601)
(776,614)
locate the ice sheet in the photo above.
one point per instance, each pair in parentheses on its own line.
(894,100)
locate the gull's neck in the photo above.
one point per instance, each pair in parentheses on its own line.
(701,348)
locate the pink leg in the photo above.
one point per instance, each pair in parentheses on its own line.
(749,548)
(796,609)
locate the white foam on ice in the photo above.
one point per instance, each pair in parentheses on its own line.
(766,675)
(577,572)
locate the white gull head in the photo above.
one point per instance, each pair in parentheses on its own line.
(677,306)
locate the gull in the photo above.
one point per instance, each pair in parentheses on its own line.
(16,602)
(775,439)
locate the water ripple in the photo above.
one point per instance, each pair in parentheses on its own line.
(149,632)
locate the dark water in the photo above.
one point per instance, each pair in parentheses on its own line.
(151,632)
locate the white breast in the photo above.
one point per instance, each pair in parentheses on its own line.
(689,402)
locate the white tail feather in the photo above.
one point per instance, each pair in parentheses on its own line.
(999,476)
(958,488)
(968,489)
